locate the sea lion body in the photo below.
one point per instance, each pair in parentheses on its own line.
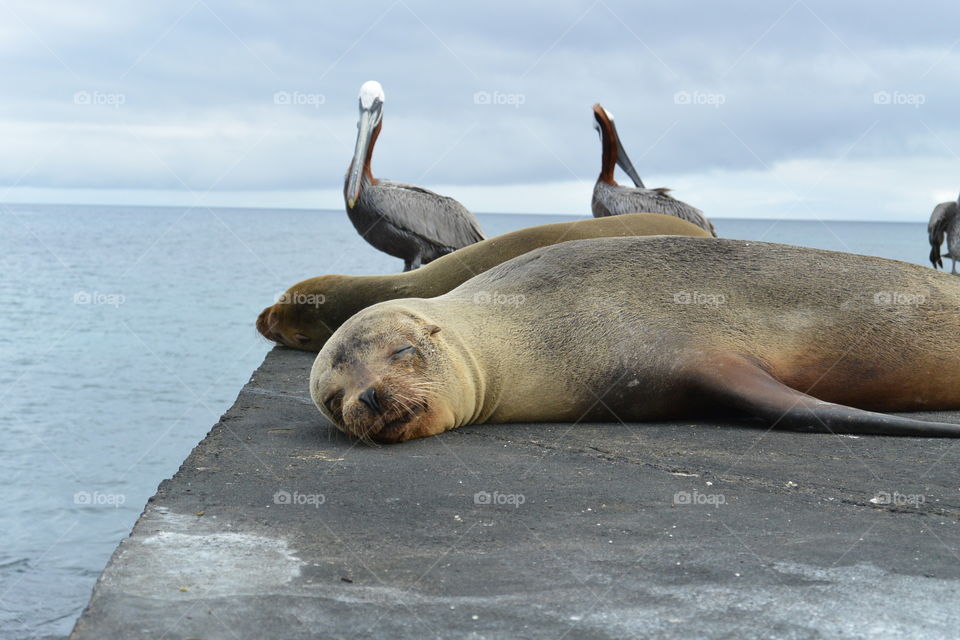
(309,312)
(639,329)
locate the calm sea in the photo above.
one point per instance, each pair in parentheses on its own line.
(127,331)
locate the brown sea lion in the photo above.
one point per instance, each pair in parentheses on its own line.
(310,311)
(660,328)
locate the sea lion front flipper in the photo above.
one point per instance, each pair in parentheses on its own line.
(740,384)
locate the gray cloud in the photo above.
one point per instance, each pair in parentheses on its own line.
(182,94)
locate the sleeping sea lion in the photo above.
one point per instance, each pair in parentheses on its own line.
(660,328)
(310,311)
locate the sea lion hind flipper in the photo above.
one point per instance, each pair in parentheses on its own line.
(742,385)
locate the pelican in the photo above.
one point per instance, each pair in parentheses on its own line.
(611,199)
(405,221)
(944,221)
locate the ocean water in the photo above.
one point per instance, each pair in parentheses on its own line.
(125,332)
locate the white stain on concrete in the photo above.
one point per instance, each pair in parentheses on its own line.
(798,602)
(189,557)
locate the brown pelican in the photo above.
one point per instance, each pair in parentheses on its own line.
(405,221)
(944,221)
(611,199)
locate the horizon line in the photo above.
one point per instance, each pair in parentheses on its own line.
(6,204)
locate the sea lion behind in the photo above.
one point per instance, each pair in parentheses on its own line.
(660,328)
(310,311)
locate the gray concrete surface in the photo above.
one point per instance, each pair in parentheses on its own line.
(278,527)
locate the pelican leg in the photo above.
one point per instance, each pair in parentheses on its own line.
(954,269)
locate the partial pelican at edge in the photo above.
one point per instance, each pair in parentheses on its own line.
(944,222)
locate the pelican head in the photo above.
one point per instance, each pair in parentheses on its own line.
(603,123)
(371,115)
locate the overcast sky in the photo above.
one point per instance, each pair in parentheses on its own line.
(765,108)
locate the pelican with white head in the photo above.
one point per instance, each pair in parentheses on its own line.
(403,220)
(371,116)
(611,199)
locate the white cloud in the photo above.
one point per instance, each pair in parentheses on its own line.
(798,189)
(198,80)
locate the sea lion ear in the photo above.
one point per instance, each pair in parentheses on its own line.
(431,329)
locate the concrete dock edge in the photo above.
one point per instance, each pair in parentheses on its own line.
(277,526)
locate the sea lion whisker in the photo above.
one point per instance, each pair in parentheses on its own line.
(422,387)
(402,401)
(412,398)
(419,401)
(365,438)
(420,390)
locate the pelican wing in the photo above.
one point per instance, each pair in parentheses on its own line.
(940,219)
(435,219)
(619,199)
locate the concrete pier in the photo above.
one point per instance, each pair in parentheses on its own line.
(278,527)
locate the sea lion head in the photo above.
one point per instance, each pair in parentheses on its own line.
(387,375)
(305,315)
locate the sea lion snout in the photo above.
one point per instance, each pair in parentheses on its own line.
(369,398)
(382,411)
(266,323)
